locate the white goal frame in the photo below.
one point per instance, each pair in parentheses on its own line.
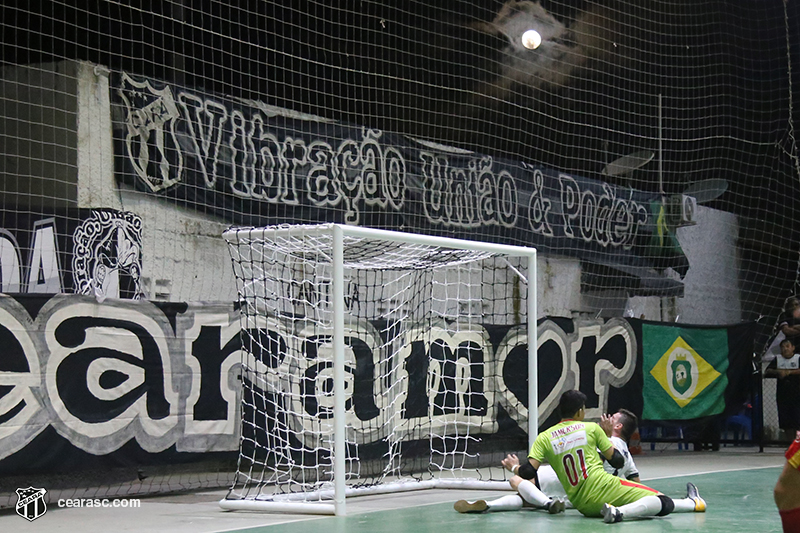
(340,490)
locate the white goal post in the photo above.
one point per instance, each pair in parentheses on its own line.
(344,384)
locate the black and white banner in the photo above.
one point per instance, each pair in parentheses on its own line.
(96,252)
(91,377)
(255,165)
(82,379)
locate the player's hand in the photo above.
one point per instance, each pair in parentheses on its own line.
(606,424)
(510,462)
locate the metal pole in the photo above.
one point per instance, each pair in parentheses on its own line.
(757,413)
(338,373)
(660,147)
(533,352)
(177,60)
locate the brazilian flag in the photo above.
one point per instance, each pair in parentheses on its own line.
(688,371)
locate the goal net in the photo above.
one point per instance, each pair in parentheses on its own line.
(370,363)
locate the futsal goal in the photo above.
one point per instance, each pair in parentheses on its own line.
(372,363)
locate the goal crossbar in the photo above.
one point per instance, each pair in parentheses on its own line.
(283,231)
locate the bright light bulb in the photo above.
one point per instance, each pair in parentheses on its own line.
(531,39)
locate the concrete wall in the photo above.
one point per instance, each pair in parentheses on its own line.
(711,286)
(711,294)
(184,257)
(38,135)
(96,184)
(559,287)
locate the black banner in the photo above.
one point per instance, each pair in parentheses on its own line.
(255,165)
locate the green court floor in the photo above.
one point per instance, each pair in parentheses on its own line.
(738,501)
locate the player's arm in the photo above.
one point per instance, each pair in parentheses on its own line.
(772,370)
(524,470)
(790,331)
(607,425)
(528,469)
(612,455)
(787,489)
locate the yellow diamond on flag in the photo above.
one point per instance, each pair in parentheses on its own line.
(683,373)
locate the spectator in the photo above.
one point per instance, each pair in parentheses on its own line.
(789,321)
(786,368)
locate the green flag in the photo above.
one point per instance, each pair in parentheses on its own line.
(685,372)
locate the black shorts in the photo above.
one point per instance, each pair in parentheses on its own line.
(789,414)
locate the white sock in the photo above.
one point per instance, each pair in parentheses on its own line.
(684,505)
(647,506)
(512,502)
(531,494)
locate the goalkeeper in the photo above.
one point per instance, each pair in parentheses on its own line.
(571,448)
(619,428)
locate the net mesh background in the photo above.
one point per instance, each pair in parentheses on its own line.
(704,93)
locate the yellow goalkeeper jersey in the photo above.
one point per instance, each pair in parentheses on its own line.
(571,449)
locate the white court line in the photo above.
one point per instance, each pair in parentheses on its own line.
(305,518)
(713,472)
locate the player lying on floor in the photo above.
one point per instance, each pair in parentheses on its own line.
(579,474)
(619,427)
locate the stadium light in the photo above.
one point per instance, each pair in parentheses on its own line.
(531,39)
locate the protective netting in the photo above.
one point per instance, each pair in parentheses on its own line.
(422,371)
(133,133)
(428,117)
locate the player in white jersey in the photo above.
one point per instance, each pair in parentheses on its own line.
(623,425)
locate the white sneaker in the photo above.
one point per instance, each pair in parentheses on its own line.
(610,514)
(478,506)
